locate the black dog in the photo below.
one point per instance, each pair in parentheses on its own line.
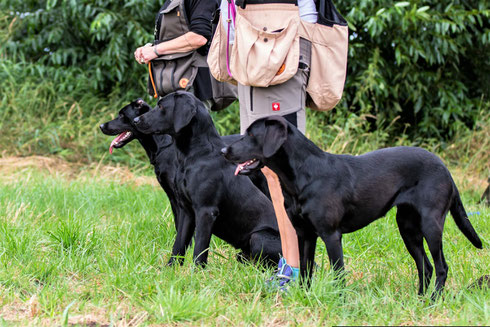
(162,155)
(161,152)
(337,194)
(231,208)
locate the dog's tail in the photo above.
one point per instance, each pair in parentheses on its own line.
(462,221)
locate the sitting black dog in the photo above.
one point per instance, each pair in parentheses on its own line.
(337,194)
(231,208)
(161,153)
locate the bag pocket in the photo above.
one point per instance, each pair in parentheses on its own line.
(328,64)
(224,94)
(172,72)
(266,48)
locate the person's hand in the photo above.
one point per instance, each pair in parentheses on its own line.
(145,54)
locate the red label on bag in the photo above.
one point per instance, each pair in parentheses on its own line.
(276,106)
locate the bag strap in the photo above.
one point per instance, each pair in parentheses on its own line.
(232,14)
(328,14)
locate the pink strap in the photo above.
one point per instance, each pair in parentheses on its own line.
(232,11)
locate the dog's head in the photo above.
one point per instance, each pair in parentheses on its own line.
(172,113)
(261,141)
(123,125)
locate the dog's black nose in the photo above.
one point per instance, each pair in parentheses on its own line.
(102,126)
(136,120)
(224,151)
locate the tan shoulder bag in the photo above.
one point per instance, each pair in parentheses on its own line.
(329,41)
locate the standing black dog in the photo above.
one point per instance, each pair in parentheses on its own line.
(231,208)
(337,194)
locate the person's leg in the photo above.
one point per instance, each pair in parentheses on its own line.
(257,103)
(289,240)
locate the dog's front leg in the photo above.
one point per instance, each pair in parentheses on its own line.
(205,218)
(333,242)
(185,230)
(307,247)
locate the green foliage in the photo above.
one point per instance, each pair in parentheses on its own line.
(93,38)
(423,63)
(417,73)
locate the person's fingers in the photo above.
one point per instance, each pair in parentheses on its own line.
(138,55)
(147,54)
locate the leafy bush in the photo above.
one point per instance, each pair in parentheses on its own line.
(95,37)
(417,70)
(423,63)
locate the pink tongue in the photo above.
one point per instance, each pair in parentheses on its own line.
(239,167)
(117,139)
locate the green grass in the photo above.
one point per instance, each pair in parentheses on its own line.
(92,249)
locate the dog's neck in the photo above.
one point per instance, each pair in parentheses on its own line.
(148,142)
(287,161)
(199,136)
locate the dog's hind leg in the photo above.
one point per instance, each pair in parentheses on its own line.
(408,221)
(432,223)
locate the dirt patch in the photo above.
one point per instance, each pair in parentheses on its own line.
(29,313)
(12,167)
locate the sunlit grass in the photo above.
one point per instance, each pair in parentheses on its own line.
(101,244)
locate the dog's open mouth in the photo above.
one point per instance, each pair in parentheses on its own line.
(247,167)
(118,141)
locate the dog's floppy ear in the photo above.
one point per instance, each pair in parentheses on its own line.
(276,132)
(166,141)
(184,110)
(167,101)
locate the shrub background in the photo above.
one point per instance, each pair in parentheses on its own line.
(85,243)
(417,71)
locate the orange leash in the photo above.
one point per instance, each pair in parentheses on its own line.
(155,95)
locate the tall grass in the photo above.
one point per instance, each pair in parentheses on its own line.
(47,111)
(101,244)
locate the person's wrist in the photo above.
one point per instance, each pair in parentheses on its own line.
(156,51)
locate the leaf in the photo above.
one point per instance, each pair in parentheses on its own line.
(402,4)
(398,56)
